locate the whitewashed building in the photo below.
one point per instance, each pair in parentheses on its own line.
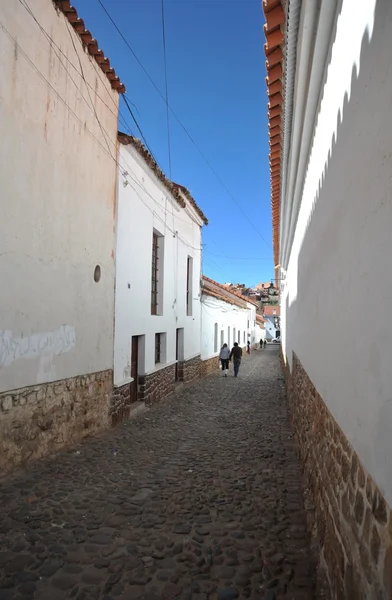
(260,329)
(271,313)
(158,270)
(227,317)
(331,171)
(58,113)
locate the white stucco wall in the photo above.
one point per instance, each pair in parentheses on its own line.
(270,327)
(225,315)
(57,199)
(339,269)
(145,205)
(260,333)
(252,336)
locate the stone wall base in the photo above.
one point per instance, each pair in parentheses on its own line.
(155,386)
(348,515)
(209,366)
(120,404)
(39,420)
(191,369)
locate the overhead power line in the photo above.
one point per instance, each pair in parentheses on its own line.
(61,55)
(166,87)
(139,128)
(180,122)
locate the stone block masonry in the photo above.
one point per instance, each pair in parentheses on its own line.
(38,420)
(157,385)
(120,404)
(349,516)
(209,366)
(191,369)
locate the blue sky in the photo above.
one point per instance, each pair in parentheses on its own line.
(216,81)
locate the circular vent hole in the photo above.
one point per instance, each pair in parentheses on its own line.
(97,273)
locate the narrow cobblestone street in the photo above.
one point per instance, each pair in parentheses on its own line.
(200,497)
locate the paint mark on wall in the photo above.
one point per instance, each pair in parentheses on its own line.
(51,343)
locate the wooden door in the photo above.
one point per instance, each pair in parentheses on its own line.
(134,367)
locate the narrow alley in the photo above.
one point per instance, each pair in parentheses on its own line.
(199,497)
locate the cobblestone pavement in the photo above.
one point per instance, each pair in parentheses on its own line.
(198,498)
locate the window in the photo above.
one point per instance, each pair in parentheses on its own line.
(154,275)
(234,335)
(158,348)
(222,338)
(239,337)
(216,337)
(244,337)
(157,275)
(189,286)
(228,336)
(248,323)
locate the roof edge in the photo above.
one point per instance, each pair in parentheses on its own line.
(220,285)
(173,188)
(274,29)
(89,43)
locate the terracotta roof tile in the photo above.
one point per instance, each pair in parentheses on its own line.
(187,193)
(230,291)
(275,100)
(173,188)
(274,52)
(269,310)
(90,43)
(207,292)
(274,17)
(275,88)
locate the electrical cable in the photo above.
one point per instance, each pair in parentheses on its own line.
(124,173)
(92,107)
(104,133)
(166,87)
(181,124)
(139,128)
(117,112)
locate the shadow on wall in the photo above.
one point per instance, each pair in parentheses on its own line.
(352,26)
(343,259)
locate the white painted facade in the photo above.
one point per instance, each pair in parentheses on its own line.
(58,198)
(260,333)
(336,223)
(225,322)
(145,206)
(270,327)
(270,330)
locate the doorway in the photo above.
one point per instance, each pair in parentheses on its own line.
(179,353)
(134,367)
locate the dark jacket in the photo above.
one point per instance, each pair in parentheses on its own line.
(236,353)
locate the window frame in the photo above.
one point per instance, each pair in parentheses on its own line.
(154,273)
(189,286)
(158,348)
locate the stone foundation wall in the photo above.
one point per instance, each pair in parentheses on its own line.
(39,420)
(120,404)
(156,386)
(191,369)
(209,366)
(348,514)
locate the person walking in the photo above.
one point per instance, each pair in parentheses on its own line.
(261,344)
(248,348)
(224,358)
(265,343)
(236,355)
